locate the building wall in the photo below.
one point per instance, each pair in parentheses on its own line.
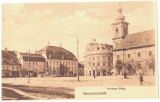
(98,59)
(131,56)
(11,70)
(11,67)
(81,71)
(34,66)
(54,65)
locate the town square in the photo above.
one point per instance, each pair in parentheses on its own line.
(50,49)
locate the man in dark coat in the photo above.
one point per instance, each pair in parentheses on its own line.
(141,79)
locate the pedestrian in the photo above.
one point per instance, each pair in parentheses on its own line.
(125,74)
(141,79)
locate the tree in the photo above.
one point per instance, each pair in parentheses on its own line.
(63,71)
(119,66)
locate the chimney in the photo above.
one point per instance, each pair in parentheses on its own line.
(5,49)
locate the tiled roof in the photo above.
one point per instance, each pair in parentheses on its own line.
(140,39)
(9,58)
(33,57)
(54,52)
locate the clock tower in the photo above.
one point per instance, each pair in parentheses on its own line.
(120,28)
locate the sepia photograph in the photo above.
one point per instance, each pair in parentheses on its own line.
(79,50)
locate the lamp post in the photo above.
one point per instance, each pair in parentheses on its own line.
(78,55)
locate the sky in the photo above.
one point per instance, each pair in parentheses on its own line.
(31,26)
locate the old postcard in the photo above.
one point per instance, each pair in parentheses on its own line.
(79,50)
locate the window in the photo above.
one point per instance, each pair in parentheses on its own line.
(108,64)
(109,58)
(12,67)
(92,58)
(104,63)
(57,62)
(98,64)
(139,54)
(128,55)
(97,57)
(103,48)
(89,63)
(3,67)
(33,62)
(150,53)
(103,57)
(117,56)
(36,63)
(97,48)
(17,68)
(93,64)
(7,67)
(53,63)
(117,44)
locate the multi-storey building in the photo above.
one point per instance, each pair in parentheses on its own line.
(34,63)
(134,53)
(97,58)
(59,61)
(81,69)
(10,65)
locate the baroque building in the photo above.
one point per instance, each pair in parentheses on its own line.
(97,59)
(59,61)
(133,53)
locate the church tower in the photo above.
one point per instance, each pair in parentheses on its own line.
(120,28)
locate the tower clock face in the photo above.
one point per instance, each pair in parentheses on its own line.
(117,30)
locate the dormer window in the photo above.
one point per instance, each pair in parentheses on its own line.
(50,56)
(103,48)
(12,60)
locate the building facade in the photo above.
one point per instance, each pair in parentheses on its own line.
(34,63)
(59,61)
(132,53)
(98,58)
(10,64)
(81,69)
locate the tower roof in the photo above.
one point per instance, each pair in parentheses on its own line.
(120,16)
